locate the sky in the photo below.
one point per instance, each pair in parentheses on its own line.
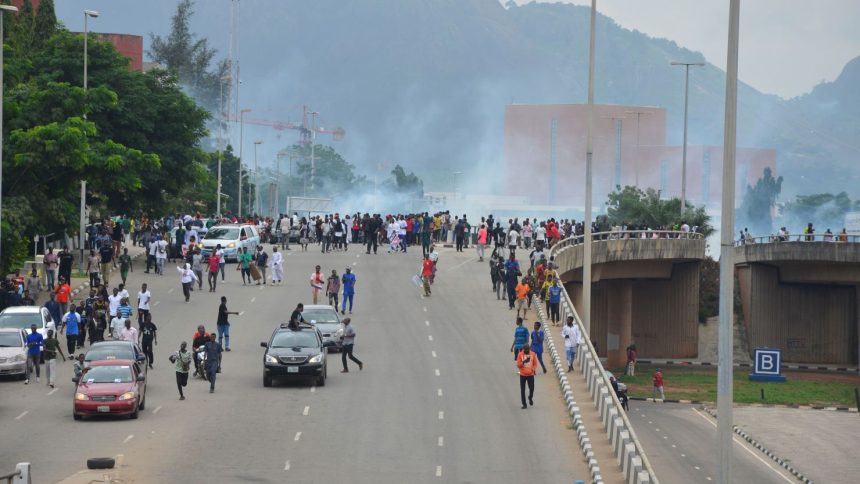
(786,46)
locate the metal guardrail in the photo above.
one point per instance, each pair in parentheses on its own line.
(627,235)
(567,309)
(21,474)
(784,239)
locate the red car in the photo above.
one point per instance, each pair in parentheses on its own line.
(110,387)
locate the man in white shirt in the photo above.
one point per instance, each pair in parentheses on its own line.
(685,230)
(151,248)
(143,299)
(113,302)
(123,292)
(572,337)
(513,240)
(284,226)
(160,255)
(128,333)
(116,325)
(540,235)
(219,253)
(277,266)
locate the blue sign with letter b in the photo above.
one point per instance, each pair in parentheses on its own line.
(767,365)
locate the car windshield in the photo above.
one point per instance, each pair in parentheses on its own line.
(321,316)
(108,374)
(19,320)
(10,340)
(295,339)
(223,233)
(112,353)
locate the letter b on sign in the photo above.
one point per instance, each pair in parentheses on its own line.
(766,362)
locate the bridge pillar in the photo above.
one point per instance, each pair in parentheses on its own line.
(620,321)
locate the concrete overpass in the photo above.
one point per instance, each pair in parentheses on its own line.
(802,297)
(645,290)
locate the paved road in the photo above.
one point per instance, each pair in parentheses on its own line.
(681,443)
(437,400)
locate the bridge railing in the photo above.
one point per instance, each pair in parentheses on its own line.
(626,446)
(782,239)
(627,235)
(21,474)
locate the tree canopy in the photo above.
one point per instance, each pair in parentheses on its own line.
(758,203)
(631,205)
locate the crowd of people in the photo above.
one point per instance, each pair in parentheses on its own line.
(806,235)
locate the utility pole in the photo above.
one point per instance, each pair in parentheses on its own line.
(725,395)
(589,154)
(639,115)
(313,147)
(684,152)
(257,207)
(241,155)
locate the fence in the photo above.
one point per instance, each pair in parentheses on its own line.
(20,476)
(783,239)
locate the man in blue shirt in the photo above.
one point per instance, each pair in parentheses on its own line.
(71,320)
(521,338)
(54,309)
(554,301)
(512,271)
(34,352)
(348,282)
(538,336)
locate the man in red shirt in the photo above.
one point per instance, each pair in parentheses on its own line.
(63,292)
(213,272)
(658,386)
(426,273)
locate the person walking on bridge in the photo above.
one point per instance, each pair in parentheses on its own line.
(521,338)
(526,363)
(572,338)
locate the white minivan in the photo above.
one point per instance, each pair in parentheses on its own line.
(232,238)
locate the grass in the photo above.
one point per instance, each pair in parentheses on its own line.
(801,388)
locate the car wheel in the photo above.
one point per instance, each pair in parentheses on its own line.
(76,416)
(321,381)
(135,414)
(101,463)
(267,381)
(143,403)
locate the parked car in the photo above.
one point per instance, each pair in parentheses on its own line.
(13,352)
(232,237)
(22,317)
(295,353)
(110,387)
(327,320)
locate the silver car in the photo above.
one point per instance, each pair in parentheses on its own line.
(327,320)
(22,317)
(13,352)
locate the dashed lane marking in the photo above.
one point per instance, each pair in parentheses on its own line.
(19,417)
(425,309)
(696,467)
(437,372)
(439,392)
(170,291)
(52,391)
(441,415)
(430,337)
(438,471)
(130,436)
(313,389)
(241,313)
(355,263)
(298,436)
(157,303)
(156,409)
(426,323)
(441,441)
(287,466)
(433,353)
(306,411)
(253,298)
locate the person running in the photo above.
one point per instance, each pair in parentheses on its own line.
(572,339)
(317,284)
(224,324)
(34,352)
(213,360)
(244,265)
(278,265)
(537,338)
(348,344)
(348,281)
(148,338)
(212,272)
(187,278)
(521,338)
(527,363)
(182,364)
(72,322)
(426,274)
(125,265)
(52,347)
(332,288)
(144,297)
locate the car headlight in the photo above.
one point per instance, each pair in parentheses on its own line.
(231,245)
(18,358)
(316,359)
(81,396)
(271,359)
(126,396)
(200,245)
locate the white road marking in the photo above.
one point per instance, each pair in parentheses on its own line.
(434,354)
(460,264)
(673,446)
(425,310)
(426,323)
(298,436)
(313,389)
(441,415)
(696,467)
(650,422)
(780,474)
(439,392)
(241,313)
(657,430)
(438,471)
(708,478)
(287,466)
(130,436)
(665,437)
(683,455)
(157,303)
(52,391)
(19,417)
(170,291)
(437,372)
(358,256)
(156,409)
(306,411)
(441,441)
(354,263)
(253,298)
(430,337)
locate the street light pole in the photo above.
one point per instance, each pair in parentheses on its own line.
(87,15)
(684,152)
(589,154)
(241,154)
(3,9)
(257,207)
(725,396)
(638,153)
(313,146)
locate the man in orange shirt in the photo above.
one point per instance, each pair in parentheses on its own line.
(522,291)
(527,363)
(64,292)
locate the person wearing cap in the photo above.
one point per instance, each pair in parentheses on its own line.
(348,283)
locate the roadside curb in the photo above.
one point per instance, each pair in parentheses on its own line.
(839,369)
(785,465)
(84,285)
(753,405)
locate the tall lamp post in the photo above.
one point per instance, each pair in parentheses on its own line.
(87,15)
(3,9)
(684,151)
(589,153)
(241,153)
(257,207)
(314,115)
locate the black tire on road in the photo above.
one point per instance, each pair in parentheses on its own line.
(101,463)
(267,380)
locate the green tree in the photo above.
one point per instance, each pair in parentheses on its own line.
(229,180)
(406,183)
(45,24)
(333,175)
(633,206)
(758,202)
